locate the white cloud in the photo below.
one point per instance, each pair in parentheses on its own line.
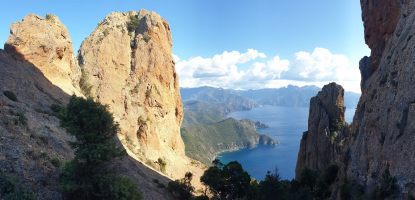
(220,70)
(322,65)
(228,70)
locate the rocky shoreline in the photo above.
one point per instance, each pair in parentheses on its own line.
(264,140)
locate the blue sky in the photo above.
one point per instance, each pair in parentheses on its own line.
(226,29)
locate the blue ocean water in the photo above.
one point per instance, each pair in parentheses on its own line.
(286,124)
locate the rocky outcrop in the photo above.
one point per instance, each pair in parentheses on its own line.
(326,124)
(382,127)
(45,42)
(266,140)
(380,18)
(127,64)
(381,137)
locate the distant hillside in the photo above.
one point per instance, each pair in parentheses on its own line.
(204,142)
(291,96)
(229,100)
(206,131)
(198,112)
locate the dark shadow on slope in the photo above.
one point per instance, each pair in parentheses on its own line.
(33,146)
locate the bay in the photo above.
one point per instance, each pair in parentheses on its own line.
(286,125)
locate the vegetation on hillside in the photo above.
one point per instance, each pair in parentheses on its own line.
(87,176)
(206,131)
(203,142)
(11,188)
(231,181)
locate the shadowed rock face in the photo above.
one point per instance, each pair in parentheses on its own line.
(380,18)
(381,135)
(383,126)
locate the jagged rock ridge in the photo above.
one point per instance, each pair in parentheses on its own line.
(127,64)
(381,136)
(326,122)
(45,42)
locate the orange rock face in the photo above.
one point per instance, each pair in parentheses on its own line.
(45,43)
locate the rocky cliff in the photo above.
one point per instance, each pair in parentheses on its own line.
(381,137)
(125,63)
(326,124)
(45,43)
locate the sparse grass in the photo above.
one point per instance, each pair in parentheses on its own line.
(162,165)
(148,93)
(151,163)
(50,17)
(135,89)
(146,37)
(10,95)
(106,32)
(21,119)
(132,25)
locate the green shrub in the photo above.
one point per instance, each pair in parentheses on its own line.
(351,190)
(330,174)
(162,165)
(132,25)
(270,186)
(84,83)
(21,119)
(118,187)
(106,32)
(57,110)
(87,177)
(49,17)
(56,162)
(308,177)
(228,181)
(10,95)
(12,189)
(388,186)
(182,189)
(146,37)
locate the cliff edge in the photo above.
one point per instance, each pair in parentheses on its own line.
(379,143)
(127,63)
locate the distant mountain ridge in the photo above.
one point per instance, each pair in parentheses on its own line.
(290,96)
(230,100)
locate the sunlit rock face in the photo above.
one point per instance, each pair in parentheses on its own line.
(127,64)
(45,42)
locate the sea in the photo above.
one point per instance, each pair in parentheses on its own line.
(286,125)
